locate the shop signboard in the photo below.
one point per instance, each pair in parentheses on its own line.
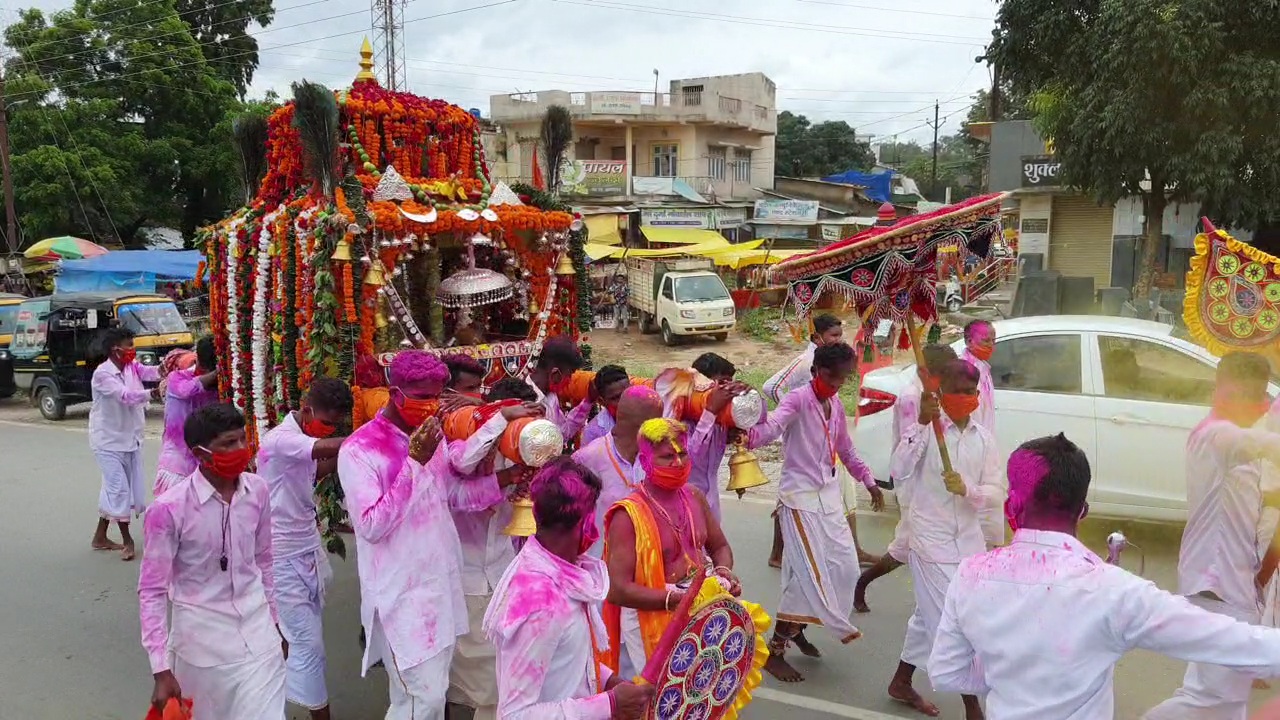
(593,178)
(794,211)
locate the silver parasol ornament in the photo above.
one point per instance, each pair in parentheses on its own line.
(474,286)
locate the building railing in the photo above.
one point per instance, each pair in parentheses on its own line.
(684,104)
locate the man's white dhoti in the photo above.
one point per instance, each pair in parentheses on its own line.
(122,495)
(929,582)
(1210,692)
(300,586)
(473,676)
(417,692)
(250,690)
(900,547)
(819,571)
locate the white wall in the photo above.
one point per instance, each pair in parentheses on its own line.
(1035,207)
(1180,220)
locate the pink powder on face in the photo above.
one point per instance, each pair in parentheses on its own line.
(653,434)
(562,486)
(413,367)
(1025,471)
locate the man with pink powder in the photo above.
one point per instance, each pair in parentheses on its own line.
(613,458)
(207,562)
(411,611)
(1220,557)
(1086,613)
(979,344)
(292,458)
(552,369)
(186,390)
(545,618)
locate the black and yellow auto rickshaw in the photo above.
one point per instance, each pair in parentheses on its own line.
(8,313)
(58,341)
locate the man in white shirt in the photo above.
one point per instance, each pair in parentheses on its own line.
(412,609)
(550,375)
(942,518)
(292,458)
(208,561)
(906,410)
(1220,558)
(1038,626)
(116,422)
(979,344)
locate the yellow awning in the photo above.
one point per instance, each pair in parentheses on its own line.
(682,236)
(596,251)
(602,229)
(737,259)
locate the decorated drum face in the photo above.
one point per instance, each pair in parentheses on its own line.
(540,442)
(709,665)
(747,409)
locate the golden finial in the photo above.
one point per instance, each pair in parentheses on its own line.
(366,63)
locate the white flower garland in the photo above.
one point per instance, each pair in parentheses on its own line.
(261,336)
(233,321)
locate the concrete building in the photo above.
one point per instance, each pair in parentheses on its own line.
(710,138)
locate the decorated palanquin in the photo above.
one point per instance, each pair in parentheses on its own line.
(372,226)
(1233,296)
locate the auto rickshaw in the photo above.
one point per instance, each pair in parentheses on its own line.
(9,303)
(58,341)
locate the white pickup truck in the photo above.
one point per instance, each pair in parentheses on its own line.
(680,297)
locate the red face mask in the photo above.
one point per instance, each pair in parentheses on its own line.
(958,407)
(590,534)
(671,477)
(128,356)
(318,428)
(415,411)
(982,352)
(555,387)
(229,463)
(612,409)
(823,389)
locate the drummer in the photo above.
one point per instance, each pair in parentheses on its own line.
(657,538)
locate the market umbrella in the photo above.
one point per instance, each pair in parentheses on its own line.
(64,247)
(889,272)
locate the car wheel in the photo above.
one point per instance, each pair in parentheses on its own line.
(51,405)
(721,337)
(954,305)
(668,337)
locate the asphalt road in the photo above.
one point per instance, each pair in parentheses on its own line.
(70,646)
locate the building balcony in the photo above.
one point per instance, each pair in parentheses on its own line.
(703,107)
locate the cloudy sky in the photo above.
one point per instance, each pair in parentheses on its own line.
(877,64)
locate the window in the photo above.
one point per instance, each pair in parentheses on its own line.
(716,163)
(1040,363)
(666,289)
(665,160)
(1135,369)
(151,318)
(701,288)
(692,95)
(8,315)
(742,166)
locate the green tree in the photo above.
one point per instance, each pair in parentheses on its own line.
(808,150)
(1169,100)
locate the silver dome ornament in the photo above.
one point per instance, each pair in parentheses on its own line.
(474,286)
(747,409)
(481,239)
(539,443)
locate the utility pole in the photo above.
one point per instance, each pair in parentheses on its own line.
(933,183)
(10,213)
(995,93)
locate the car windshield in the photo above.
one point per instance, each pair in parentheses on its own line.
(8,315)
(152,318)
(701,288)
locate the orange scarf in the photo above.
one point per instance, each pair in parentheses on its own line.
(368,403)
(650,573)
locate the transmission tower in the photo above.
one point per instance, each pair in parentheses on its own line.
(388,43)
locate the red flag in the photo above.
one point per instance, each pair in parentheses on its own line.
(538,182)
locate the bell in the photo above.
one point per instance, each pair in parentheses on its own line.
(522,523)
(565,267)
(744,471)
(342,251)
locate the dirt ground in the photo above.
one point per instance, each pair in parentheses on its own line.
(645,355)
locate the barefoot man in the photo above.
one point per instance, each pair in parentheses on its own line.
(185,392)
(819,562)
(116,422)
(657,538)
(905,412)
(545,615)
(979,344)
(943,516)
(710,440)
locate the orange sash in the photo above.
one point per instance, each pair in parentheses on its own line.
(368,403)
(650,573)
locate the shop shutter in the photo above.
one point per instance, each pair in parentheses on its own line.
(1080,239)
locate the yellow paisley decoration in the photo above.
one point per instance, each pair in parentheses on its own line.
(1233,296)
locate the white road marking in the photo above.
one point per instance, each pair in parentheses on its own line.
(47,426)
(823,706)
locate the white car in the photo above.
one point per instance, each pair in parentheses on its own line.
(1126,391)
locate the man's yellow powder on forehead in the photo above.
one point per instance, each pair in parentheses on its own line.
(660,430)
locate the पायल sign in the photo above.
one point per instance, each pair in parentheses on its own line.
(593,177)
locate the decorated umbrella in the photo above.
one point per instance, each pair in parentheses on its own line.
(63,248)
(1233,295)
(889,272)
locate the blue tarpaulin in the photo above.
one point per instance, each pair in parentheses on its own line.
(879,185)
(127,270)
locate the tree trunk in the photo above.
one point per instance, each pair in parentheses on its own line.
(1154,203)
(435,317)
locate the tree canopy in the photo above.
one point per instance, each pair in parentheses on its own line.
(120,114)
(804,149)
(1170,100)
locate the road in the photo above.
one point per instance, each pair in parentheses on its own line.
(70,648)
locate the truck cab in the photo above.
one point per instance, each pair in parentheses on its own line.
(680,298)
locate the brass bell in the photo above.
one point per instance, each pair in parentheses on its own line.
(565,267)
(744,471)
(342,251)
(522,523)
